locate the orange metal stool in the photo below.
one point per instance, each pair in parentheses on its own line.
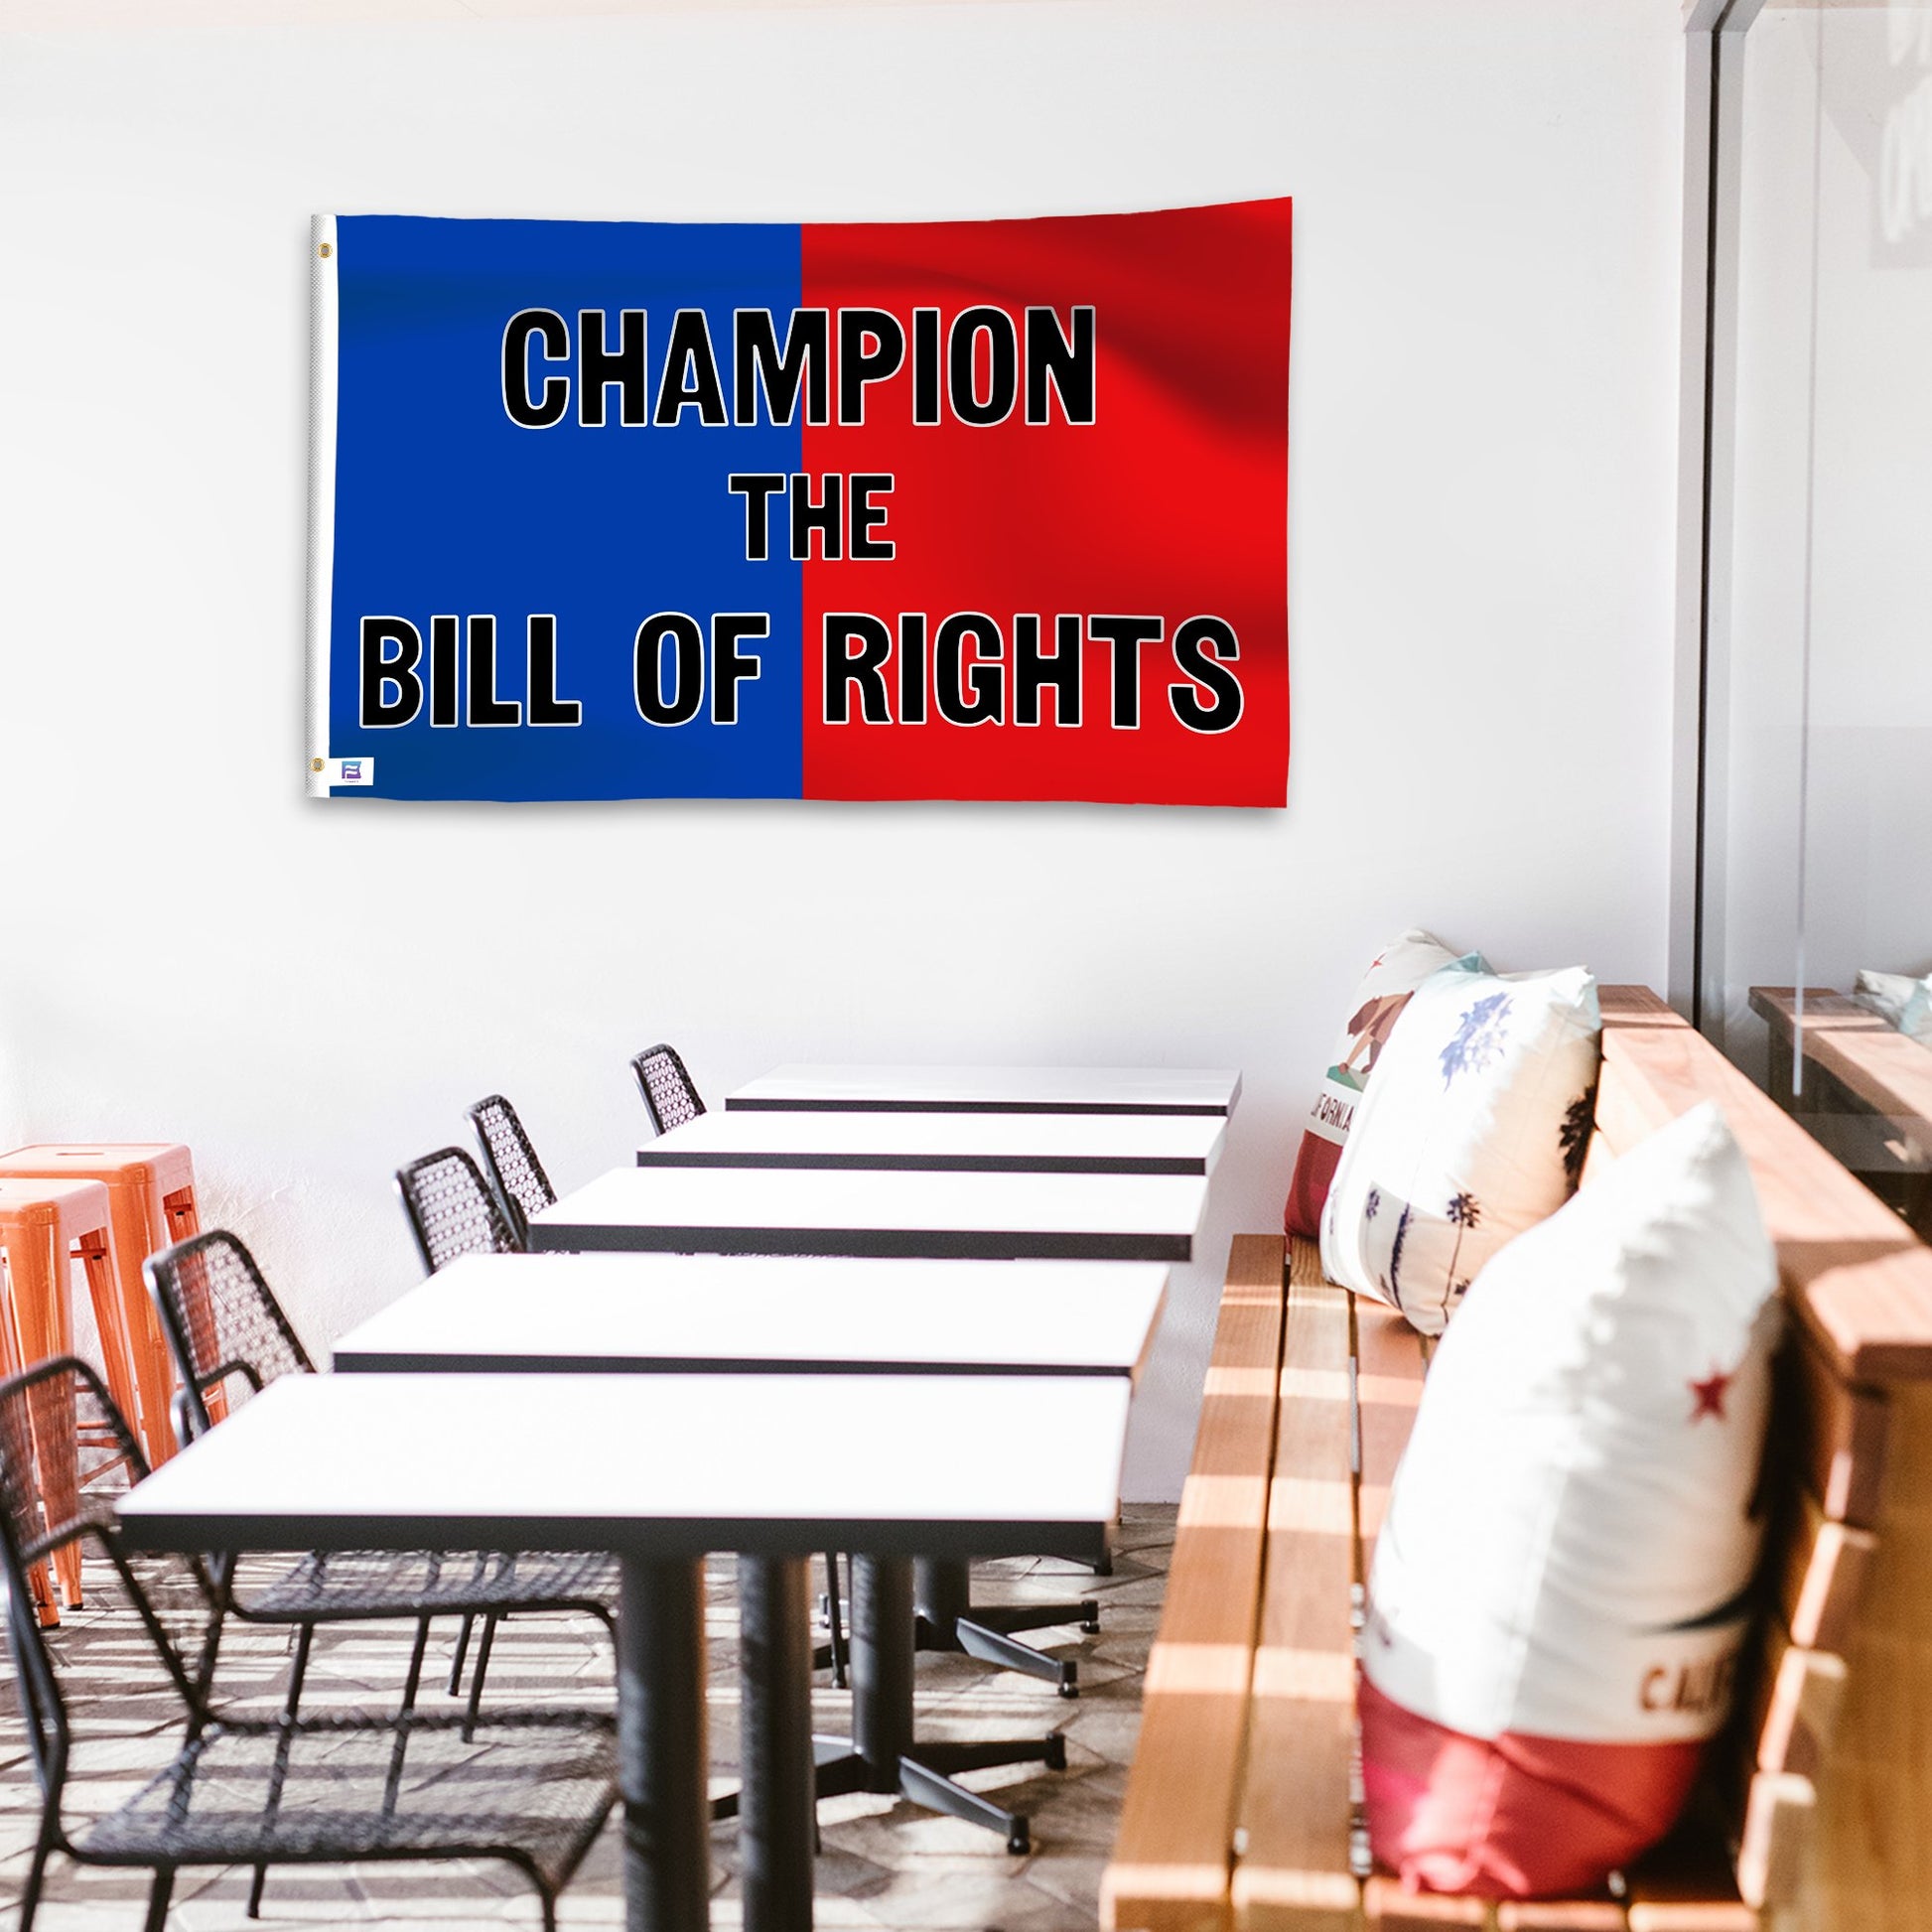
(41,1223)
(151,1198)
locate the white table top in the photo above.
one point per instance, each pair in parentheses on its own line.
(669,1464)
(992,1089)
(1187,1143)
(764,1315)
(841,1211)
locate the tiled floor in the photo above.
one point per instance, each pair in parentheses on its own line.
(885,1863)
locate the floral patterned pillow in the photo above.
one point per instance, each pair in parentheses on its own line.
(1475,1129)
(1393,975)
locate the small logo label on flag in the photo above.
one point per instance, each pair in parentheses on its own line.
(352,771)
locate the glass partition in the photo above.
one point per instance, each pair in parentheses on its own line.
(1819,727)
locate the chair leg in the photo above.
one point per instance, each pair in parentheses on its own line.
(110,1321)
(834,1620)
(30,1898)
(393,1786)
(164,1890)
(415,1676)
(303,1641)
(483,1644)
(133,1239)
(182,1216)
(462,1651)
(12,1362)
(39,1273)
(298,1674)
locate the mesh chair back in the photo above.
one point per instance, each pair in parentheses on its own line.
(671,1097)
(512,1161)
(450,1210)
(221,1321)
(59,1430)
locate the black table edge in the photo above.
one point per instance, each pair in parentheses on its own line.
(620,1535)
(739,1104)
(884,1244)
(393,1361)
(664,1153)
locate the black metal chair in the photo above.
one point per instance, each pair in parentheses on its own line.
(521,1182)
(670,1094)
(226,1330)
(531,1788)
(450,1210)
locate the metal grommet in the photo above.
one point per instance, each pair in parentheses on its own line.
(315,765)
(325,251)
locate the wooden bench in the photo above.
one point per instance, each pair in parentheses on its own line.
(1242,1808)
(1867,1091)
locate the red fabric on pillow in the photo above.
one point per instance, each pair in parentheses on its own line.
(1314,1169)
(1518,1818)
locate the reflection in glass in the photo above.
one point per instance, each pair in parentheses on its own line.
(1827,806)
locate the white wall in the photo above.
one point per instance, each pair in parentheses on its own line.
(1483,424)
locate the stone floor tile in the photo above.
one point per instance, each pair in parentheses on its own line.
(917,1901)
(885,1862)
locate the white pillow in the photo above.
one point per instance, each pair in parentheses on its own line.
(1899,1000)
(1473,1129)
(1393,974)
(1563,1580)
(1916,1020)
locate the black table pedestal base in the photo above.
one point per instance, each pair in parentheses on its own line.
(949,1620)
(777,1835)
(883,1754)
(925,1777)
(887,1756)
(661,1746)
(1101,1564)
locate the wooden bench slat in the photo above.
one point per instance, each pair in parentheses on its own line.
(1386,1905)
(1824,1567)
(1872,1864)
(1776,1006)
(1174,1853)
(1887,1070)
(1637,1004)
(1853,1270)
(1390,1364)
(1700,1905)
(1664,1072)
(1874,1309)
(1559,1915)
(1686,1885)
(1866,1091)
(1838,1431)
(1796,1692)
(1296,1809)
(1780,1822)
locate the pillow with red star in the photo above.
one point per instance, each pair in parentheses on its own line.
(1563,1583)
